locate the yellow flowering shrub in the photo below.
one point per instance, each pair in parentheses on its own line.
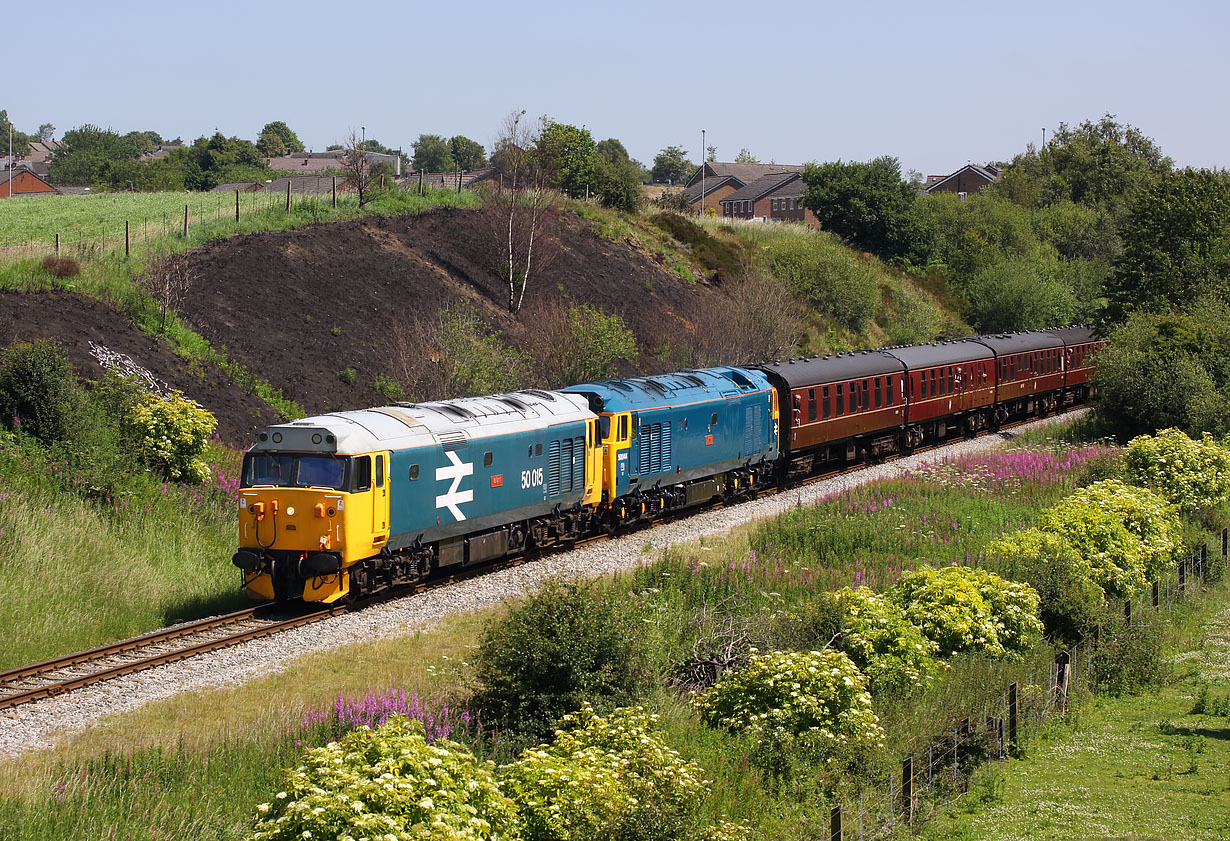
(389,784)
(1193,475)
(173,432)
(883,643)
(601,771)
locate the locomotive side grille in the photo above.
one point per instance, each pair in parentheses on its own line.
(578,464)
(553,465)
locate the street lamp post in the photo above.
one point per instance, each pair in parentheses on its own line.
(702,173)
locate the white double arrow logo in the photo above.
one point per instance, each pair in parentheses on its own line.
(457,471)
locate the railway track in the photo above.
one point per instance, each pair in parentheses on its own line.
(62,675)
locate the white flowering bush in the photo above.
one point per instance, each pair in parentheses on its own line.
(814,703)
(1130,535)
(600,771)
(1070,603)
(172,433)
(1193,475)
(389,784)
(893,652)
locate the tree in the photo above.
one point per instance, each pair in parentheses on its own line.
(21,140)
(1176,243)
(868,204)
(289,140)
(271,145)
(746,157)
(85,154)
(467,154)
(357,168)
(672,164)
(432,153)
(167,282)
(618,178)
(517,210)
(568,155)
(46,131)
(711,154)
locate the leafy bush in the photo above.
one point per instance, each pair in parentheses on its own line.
(173,432)
(575,343)
(1153,525)
(829,277)
(1016,295)
(965,609)
(388,388)
(1194,475)
(389,783)
(561,648)
(1070,603)
(809,703)
(882,642)
(603,777)
(38,390)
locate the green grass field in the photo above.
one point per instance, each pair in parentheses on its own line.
(1140,766)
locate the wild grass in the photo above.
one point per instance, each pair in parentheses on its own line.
(1136,766)
(85,568)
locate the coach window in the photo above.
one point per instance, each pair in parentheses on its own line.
(414,471)
(888,389)
(879,393)
(811,404)
(852,397)
(828,402)
(363,473)
(841,401)
(931,378)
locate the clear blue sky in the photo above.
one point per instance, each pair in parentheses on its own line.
(936,84)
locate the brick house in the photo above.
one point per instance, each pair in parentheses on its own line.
(777,196)
(21,180)
(314,163)
(966,181)
(721,179)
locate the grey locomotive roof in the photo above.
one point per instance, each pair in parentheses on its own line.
(943,353)
(827,369)
(1077,335)
(1019,342)
(420,424)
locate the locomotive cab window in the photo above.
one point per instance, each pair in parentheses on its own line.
(284,469)
(362,474)
(623,428)
(380,471)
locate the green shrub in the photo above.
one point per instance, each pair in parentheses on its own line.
(38,390)
(348,376)
(829,277)
(882,642)
(1194,475)
(1086,520)
(388,388)
(173,432)
(561,648)
(389,783)
(1130,656)
(1017,295)
(964,609)
(603,777)
(1070,603)
(813,704)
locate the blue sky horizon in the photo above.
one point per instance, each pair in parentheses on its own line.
(936,85)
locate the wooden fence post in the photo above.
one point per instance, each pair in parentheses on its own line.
(1013,711)
(288,196)
(1127,611)
(1157,595)
(185,221)
(1204,562)
(420,182)
(1182,574)
(58,254)
(835,824)
(236,205)
(127,242)
(335,192)
(1225,541)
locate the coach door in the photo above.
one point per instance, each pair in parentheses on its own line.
(380,499)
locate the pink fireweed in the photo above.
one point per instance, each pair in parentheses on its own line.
(441,718)
(1006,471)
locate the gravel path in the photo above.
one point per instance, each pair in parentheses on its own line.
(38,725)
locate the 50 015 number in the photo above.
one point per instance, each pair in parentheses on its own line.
(531,478)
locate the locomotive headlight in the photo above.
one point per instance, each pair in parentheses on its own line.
(290,512)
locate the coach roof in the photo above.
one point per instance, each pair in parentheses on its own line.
(798,373)
(944,353)
(1004,343)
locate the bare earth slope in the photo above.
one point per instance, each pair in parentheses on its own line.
(299,307)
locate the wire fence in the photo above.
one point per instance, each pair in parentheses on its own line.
(123,236)
(934,780)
